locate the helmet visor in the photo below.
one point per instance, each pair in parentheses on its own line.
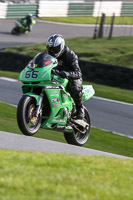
(53,50)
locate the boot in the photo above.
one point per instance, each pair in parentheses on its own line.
(80,112)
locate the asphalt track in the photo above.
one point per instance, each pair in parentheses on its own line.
(25,143)
(39,34)
(42,30)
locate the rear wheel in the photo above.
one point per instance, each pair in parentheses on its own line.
(27,121)
(77,137)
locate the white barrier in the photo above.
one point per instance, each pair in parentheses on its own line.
(3,10)
(60,8)
(107,7)
(53,9)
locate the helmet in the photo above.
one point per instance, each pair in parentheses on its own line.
(29,15)
(55,45)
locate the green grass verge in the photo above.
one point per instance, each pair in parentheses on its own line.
(99,139)
(49,176)
(9,74)
(101,90)
(118,51)
(89,20)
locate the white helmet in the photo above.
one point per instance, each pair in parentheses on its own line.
(29,14)
(55,45)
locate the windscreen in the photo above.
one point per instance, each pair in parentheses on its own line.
(41,60)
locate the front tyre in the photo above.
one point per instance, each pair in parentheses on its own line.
(76,137)
(15,31)
(27,122)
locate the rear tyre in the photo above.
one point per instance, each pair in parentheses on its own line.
(27,122)
(76,137)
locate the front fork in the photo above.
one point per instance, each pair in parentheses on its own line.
(38,108)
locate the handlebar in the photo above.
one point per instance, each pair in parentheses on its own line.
(56,72)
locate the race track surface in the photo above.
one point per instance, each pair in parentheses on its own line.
(25,143)
(39,34)
(43,29)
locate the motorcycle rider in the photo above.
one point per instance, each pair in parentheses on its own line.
(68,67)
(28,19)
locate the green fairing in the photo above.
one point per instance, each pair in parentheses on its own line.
(57,105)
(49,92)
(88,92)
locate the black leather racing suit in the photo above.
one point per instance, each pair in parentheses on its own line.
(68,62)
(28,22)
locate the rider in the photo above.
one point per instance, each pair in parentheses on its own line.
(68,68)
(28,19)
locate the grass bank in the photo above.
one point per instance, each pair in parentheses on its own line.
(99,139)
(34,175)
(101,90)
(118,51)
(89,20)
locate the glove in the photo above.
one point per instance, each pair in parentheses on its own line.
(64,74)
(55,71)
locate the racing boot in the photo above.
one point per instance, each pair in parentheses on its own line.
(80,112)
(79,106)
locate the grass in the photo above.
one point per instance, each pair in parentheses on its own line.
(101,90)
(90,20)
(113,93)
(34,175)
(117,51)
(99,139)
(9,74)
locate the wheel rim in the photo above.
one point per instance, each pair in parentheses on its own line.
(82,137)
(31,121)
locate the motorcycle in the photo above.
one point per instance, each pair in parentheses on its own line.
(47,104)
(21,27)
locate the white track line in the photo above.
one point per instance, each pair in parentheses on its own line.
(8,104)
(114,132)
(81,25)
(114,101)
(9,79)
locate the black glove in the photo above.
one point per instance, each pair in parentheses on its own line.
(64,74)
(53,71)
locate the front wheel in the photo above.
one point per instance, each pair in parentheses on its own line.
(15,31)
(76,137)
(27,122)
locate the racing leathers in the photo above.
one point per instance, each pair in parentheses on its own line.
(68,67)
(28,22)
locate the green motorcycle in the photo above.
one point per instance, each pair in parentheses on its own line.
(21,27)
(47,104)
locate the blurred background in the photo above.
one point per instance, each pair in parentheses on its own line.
(105,13)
